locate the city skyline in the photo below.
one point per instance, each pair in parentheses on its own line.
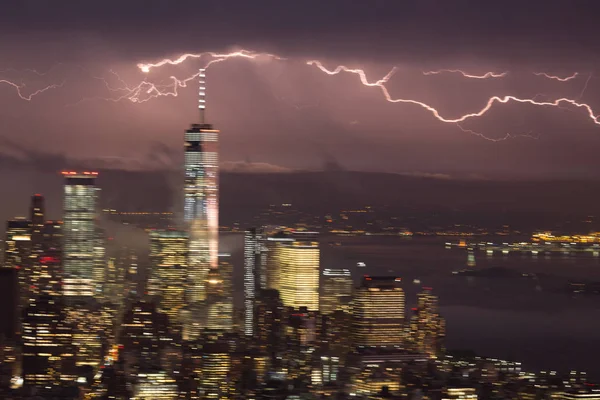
(395,201)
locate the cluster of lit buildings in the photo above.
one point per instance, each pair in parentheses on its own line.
(84,322)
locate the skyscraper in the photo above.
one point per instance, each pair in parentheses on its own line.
(168,262)
(201,201)
(79,237)
(17,255)
(336,290)
(378,312)
(299,279)
(48,351)
(254,277)
(427,327)
(273,246)
(37,220)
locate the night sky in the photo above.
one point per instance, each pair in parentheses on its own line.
(286,115)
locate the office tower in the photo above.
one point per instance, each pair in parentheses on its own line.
(48,351)
(79,235)
(373,380)
(254,276)
(269,314)
(299,279)
(52,238)
(168,263)
(378,312)
(214,368)
(219,306)
(427,327)
(273,246)
(99,270)
(17,255)
(88,332)
(142,334)
(155,385)
(336,290)
(37,221)
(201,199)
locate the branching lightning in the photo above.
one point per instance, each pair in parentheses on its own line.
(491,101)
(30,96)
(487,75)
(147,90)
(558,78)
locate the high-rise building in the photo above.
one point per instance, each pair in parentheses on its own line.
(273,246)
(80,234)
(254,276)
(201,202)
(336,290)
(427,327)
(218,305)
(378,312)
(269,315)
(48,351)
(37,221)
(143,333)
(17,255)
(299,278)
(168,263)
(155,385)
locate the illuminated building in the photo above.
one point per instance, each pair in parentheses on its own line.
(336,290)
(156,385)
(269,322)
(214,369)
(88,330)
(427,327)
(36,218)
(201,202)
(168,263)
(587,393)
(219,306)
(79,235)
(37,221)
(273,247)
(378,312)
(142,334)
(334,334)
(254,280)
(17,255)
(114,289)
(459,393)
(48,351)
(372,380)
(299,279)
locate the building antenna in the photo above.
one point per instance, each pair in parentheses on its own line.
(202,93)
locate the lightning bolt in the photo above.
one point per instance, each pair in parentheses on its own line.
(507,136)
(487,75)
(31,95)
(145,90)
(491,101)
(558,78)
(217,58)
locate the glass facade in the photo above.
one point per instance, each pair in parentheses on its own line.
(168,261)
(336,290)
(201,205)
(378,313)
(299,279)
(79,233)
